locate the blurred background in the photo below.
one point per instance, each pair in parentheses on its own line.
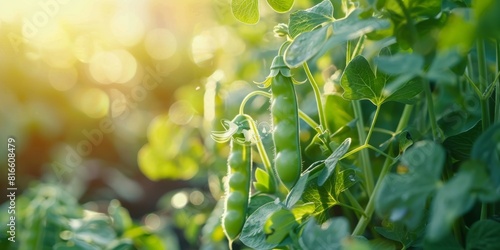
(111,104)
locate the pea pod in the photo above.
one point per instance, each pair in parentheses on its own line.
(237,186)
(285,117)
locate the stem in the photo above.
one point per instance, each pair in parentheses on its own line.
(364,156)
(497,98)
(317,95)
(370,207)
(382,131)
(262,152)
(309,121)
(354,202)
(367,140)
(483,78)
(405,118)
(359,46)
(484,211)
(430,107)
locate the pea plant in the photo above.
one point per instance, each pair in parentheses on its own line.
(397,146)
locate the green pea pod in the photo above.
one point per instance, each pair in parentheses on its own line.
(285,117)
(238,179)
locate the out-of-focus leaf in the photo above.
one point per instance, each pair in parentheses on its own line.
(403,197)
(280,6)
(484,235)
(487,149)
(246,11)
(458,196)
(459,146)
(328,236)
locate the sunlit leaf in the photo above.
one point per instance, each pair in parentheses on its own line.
(279,225)
(246,11)
(280,6)
(307,20)
(305,46)
(297,190)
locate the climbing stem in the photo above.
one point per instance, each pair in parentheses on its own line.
(430,107)
(364,156)
(317,95)
(370,207)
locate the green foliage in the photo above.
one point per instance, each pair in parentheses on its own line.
(399,115)
(51,218)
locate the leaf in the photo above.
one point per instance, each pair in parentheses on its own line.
(352,27)
(447,242)
(403,197)
(484,235)
(279,225)
(487,149)
(401,63)
(328,236)
(344,180)
(280,6)
(332,160)
(397,231)
(458,196)
(358,81)
(297,190)
(252,234)
(441,67)
(459,146)
(402,89)
(305,46)
(262,180)
(307,20)
(246,11)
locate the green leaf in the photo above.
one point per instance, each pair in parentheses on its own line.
(305,46)
(279,225)
(401,63)
(447,242)
(358,81)
(458,196)
(402,89)
(441,67)
(344,180)
(252,234)
(307,20)
(397,231)
(297,190)
(484,235)
(459,146)
(328,236)
(352,27)
(403,197)
(262,180)
(332,160)
(416,8)
(246,11)
(487,149)
(280,6)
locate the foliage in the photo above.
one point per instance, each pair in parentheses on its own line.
(392,154)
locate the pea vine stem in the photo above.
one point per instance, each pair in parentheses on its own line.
(370,207)
(364,156)
(317,95)
(432,113)
(483,78)
(497,95)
